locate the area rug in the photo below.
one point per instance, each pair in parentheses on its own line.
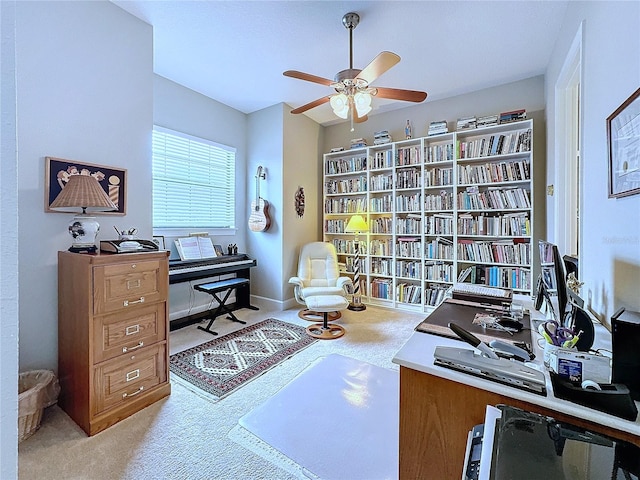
(224,364)
(337,419)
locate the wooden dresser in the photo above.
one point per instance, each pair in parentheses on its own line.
(113,350)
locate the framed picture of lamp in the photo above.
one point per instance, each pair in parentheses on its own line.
(623,142)
(113,180)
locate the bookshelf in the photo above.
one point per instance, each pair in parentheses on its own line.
(438,208)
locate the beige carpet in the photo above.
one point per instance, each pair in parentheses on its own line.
(185,436)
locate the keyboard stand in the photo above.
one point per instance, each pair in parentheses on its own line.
(213,288)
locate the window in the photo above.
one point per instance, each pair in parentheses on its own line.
(193,182)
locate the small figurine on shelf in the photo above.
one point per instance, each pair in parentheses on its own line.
(407,130)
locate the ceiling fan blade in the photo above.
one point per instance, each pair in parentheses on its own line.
(358,119)
(399,94)
(311,105)
(383,62)
(308,77)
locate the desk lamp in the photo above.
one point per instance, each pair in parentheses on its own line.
(356,225)
(83,191)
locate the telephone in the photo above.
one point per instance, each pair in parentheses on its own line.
(127,246)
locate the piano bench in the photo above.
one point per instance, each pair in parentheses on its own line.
(213,288)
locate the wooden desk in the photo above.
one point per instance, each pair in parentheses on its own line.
(439,406)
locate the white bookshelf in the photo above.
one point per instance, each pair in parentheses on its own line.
(436,206)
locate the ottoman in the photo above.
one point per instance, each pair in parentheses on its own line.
(325,304)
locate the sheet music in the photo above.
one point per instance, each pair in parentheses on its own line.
(206,247)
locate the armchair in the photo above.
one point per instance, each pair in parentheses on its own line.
(318,274)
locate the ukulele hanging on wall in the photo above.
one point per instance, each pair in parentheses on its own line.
(259,221)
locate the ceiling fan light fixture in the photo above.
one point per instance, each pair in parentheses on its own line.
(340,105)
(362,102)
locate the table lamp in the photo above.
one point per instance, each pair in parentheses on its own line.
(83,191)
(356,225)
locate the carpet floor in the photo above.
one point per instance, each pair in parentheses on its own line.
(185,436)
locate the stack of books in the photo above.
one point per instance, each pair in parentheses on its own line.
(487,121)
(336,149)
(466,123)
(514,116)
(436,128)
(381,137)
(358,143)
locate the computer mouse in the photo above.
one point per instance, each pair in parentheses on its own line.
(510,324)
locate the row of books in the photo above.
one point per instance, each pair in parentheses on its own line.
(493,199)
(348,185)
(438,271)
(515,278)
(408,293)
(439,224)
(497,144)
(511,224)
(408,269)
(442,201)
(382,159)
(381,266)
(506,251)
(434,295)
(346,165)
(493,172)
(381,182)
(466,123)
(345,205)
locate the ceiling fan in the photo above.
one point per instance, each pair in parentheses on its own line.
(353,86)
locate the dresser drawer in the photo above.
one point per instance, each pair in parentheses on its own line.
(123,379)
(127,285)
(129,331)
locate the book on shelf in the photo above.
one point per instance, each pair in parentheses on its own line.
(436,128)
(381,137)
(487,121)
(358,143)
(195,248)
(336,149)
(513,116)
(466,123)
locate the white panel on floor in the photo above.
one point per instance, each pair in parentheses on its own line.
(338,419)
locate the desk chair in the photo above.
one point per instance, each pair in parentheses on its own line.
(318,274)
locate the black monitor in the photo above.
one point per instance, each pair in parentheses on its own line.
(553,280)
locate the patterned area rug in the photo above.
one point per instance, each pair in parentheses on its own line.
(224,364)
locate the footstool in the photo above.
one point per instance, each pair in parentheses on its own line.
(325,304)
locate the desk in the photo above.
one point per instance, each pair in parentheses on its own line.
(438,407)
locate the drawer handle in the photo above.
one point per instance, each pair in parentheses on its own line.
(132,329)
(125,395)
(132,375)
(128,349)
(127,302)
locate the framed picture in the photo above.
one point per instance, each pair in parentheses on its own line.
(623,141)
(218,249)
(113,180)
(159,241)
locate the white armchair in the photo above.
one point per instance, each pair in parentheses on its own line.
(318,274)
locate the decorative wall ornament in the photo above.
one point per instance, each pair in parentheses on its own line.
(623,137)
(299,201)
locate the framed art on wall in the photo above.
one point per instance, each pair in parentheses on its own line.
(623,142)
(113,181)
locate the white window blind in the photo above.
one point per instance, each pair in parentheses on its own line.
(193,182)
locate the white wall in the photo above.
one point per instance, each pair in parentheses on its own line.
(302,168)
(85,82)
(265,148)
(181,109)
(610,256)
(8,248)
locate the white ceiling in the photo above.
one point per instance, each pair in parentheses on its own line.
(235,51)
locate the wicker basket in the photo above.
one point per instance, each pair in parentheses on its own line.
(37,389)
